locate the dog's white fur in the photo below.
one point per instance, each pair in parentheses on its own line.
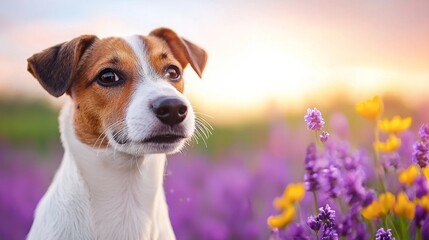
(115,192)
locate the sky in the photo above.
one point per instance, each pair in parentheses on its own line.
(281,52)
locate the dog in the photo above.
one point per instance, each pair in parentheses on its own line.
(126,112)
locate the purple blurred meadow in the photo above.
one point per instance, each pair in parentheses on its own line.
(226,190)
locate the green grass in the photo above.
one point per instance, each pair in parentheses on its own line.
(28,123)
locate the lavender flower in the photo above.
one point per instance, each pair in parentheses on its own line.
(332,179)
(314,119)
(324,220)
(353,187)
(351,226)
(311,176)
(314,223)
(384,235)
(368,198)
(425,229)
(329,234)
(324,136)
(422,187)
(420,216)
(326,216)
(421,153)
(391,160)
(424,132)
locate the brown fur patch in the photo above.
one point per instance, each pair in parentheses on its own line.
(160,56)
(101,107)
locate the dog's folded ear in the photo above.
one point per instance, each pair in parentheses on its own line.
(54,67)
(183,50)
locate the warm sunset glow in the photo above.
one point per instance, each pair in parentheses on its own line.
(260,54)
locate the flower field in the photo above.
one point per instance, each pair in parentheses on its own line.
(358,172)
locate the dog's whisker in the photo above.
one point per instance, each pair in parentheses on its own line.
(205,121)
(104,134)
(207,126)
(200,131)
(203,114)
(203,129)
(199,134)
(194,137)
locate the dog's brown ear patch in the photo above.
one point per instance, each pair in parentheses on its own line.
(54,67)
(183,50)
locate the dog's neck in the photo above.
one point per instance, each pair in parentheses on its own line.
(126,192)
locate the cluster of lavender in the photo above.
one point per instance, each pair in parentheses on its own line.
(324,222)
(384,235)
(333,170)
(338,171)
(421,148)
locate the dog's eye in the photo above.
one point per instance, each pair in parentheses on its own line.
(173,73)
(108,78)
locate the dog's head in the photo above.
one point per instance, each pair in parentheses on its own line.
(127,92)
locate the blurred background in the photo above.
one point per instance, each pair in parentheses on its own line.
(268,62)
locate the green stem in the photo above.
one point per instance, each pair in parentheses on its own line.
(403,224)
(384,221)
(371,228)
(418,233)
(317,235)
(393,226)
(316,203)
(379,170)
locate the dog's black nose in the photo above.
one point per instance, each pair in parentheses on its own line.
(169,110)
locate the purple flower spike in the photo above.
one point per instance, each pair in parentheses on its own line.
(384,235)
(327,216)
(424,132)
(422,187)
(311,177)
(314,119)
(314,223)
(420,216)
(324,136)
(332,175)
(324,221)
(421,153)
(354,190)
(330,234)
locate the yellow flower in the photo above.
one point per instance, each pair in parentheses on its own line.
(372,211)
(424,202)
(404,207)
(396,125)
(391,144)
(407,176)
(293,193)
(387,201)
(283,219)
(426,172)
(371,108)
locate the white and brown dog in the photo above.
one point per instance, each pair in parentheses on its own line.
(126,112)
